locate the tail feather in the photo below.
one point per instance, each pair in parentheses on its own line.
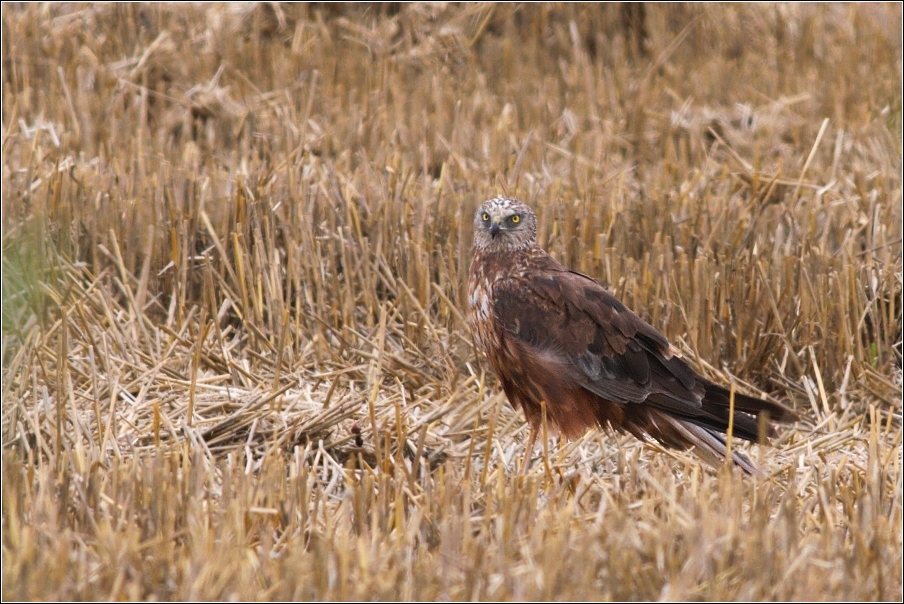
(683,424)
(711,446)
(679,433)
(704,433)
(717,397)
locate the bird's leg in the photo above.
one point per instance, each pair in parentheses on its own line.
(531,440)
(545,428)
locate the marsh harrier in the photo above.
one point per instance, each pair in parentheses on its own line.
(556,336)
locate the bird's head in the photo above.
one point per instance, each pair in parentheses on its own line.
(504,225)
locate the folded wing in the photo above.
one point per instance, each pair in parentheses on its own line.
(567,323)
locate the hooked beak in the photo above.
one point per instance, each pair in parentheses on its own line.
(494,230)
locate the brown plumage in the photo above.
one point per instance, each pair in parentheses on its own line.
(554,335)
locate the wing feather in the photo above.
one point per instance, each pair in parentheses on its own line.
(618,356)
(612,352)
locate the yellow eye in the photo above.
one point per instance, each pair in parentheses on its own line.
(516,219)
(485,217)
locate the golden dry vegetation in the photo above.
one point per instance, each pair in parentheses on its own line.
(235,242)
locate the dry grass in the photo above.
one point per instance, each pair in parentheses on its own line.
(234,250)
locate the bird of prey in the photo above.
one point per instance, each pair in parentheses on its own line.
(555,336)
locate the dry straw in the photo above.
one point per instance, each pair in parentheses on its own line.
(234,248)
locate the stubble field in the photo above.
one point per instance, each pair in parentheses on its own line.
(235,247)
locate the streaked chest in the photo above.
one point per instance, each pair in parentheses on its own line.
(481,280)
(486,274)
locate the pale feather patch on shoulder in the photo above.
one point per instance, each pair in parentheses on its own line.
(476,295)
(479,302)
(484,311)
